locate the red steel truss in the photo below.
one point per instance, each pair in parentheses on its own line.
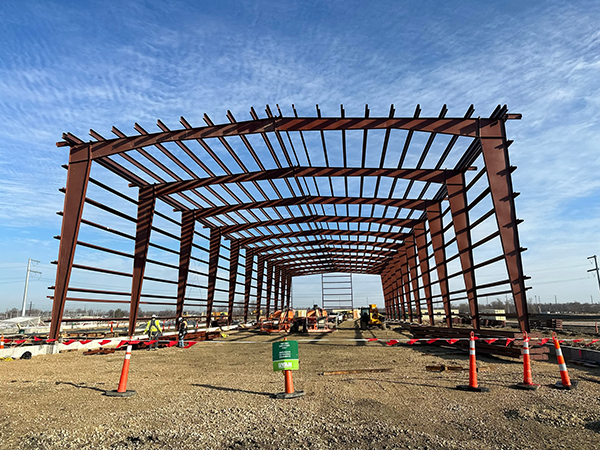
(426,203)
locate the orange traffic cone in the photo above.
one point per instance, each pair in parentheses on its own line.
(565,382)
(527,378)
(473,386)
(122,389)
(111,327)
(1,342)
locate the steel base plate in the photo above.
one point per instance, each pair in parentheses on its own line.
(526,387)
(559,385)
(120,394)
(286,395)
(472,389)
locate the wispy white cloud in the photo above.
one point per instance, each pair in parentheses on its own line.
(107,67)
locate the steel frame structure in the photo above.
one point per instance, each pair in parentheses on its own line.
(267,194)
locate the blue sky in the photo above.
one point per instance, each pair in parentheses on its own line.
(72,66)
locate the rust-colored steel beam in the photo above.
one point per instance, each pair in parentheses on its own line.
(457,196)
(421,241)
(259,284)
(145,214)
(406,285)
(495,154)
(322,242)
(213,265)
(455,126)
(247,281)
(329,250)
(349,259)
(277,271)
(333,267)
(310,200)
(434,217)
(322,232)
(284,286)
(288,292)
(411,256)
(318,271)
(408,223)
(269,286)
(78,175)
(185,252)
(425,175)
(234,256)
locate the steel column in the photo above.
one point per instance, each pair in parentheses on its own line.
(276,294)
(248,282)
(259,284)
(434,217)
(495,154)
(406,286)
(421,240)
(269,286)
(288,292)
(213,263)
(457,195)
(185,252)
(411,254)
(145,214)
(234,256)
(78,175)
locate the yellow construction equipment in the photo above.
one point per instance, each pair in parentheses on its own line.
(370,317)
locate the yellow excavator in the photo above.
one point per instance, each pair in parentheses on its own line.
(370,317)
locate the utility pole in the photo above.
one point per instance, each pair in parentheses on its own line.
(595,269)
(27,283)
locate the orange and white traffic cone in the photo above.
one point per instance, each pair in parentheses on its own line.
(122,389)
(565,382)
(527,383)
(111,327)
(473,386)
(2,342)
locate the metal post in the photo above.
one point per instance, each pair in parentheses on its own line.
(288,293)
(434,217)
(247,282)
(145,214)
(269,286)
(27,284)
(277,285)
(495,155)
(78,174)
(597,270)
(234,256)
(457,194)
(409,244)
(213,263)
(406,285)
(185,252)
(421,240)
(259,284)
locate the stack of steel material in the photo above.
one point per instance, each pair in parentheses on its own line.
(555,324)
(500,347)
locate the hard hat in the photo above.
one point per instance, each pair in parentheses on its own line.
(154,316)
(179,319)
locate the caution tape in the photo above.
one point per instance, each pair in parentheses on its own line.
(409,341)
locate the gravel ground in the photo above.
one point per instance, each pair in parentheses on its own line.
(217,396)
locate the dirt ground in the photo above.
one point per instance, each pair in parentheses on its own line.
(217,396)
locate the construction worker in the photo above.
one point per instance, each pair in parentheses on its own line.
(153,330)
(182,330)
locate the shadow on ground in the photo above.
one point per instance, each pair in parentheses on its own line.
(222,388)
